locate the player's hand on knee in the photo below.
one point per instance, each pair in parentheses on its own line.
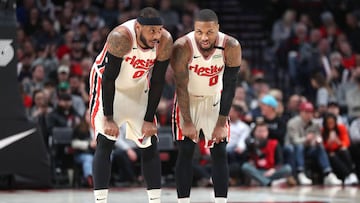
(148,129)
(111,128)
(189,131)
(219,134)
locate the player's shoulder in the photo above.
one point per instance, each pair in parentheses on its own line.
(120,32)
(231,42)
(182,42)
(166,36)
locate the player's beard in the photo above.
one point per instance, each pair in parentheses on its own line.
(143,40)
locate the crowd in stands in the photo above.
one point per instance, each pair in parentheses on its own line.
(310,136)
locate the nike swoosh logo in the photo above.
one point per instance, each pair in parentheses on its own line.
(155,198)
(13,138)
(216,103)
(196,57)
(97,199)
(134,48)
(146,91)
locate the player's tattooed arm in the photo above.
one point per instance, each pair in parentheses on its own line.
(232,60)
(232,53)
(165,46)
(179,61)
(119,42)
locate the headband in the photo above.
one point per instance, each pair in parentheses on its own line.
(149,21)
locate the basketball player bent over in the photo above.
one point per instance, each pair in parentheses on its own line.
(205,64)
(122,93)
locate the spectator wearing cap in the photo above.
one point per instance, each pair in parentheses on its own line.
(77,101)
(63,73)
(305,136)
(64,114)
(276,126)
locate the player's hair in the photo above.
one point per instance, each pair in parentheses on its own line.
(149,12)
(206,15)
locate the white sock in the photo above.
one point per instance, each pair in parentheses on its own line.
(184,200)
(220,200)
(154,195)
(101,196)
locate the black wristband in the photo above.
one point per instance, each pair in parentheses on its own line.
(228,92)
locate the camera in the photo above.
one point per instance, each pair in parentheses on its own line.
(253,147)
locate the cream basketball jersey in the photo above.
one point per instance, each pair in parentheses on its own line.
(205,74)
(136,64)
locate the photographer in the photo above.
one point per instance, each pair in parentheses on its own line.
(266,160)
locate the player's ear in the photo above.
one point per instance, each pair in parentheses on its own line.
(137,26)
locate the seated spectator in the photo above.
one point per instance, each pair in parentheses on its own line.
(236,147)
(84,145)
(77,101)
(353,95)
(355,143)
(324,93)
(265,165)
(304,136)
(336,142)
(125,157)
(202,164)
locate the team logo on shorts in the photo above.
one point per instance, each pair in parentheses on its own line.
(6,52)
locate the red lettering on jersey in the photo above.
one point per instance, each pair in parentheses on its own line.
(140,63)
(206,71)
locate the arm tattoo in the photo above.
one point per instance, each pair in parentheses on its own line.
(118,43)
(165,47)
(181,72)
(232,52)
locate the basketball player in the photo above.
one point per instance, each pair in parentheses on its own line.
(205,64)
(121,92)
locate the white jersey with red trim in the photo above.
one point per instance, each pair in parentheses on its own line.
(205,74)
(131,89)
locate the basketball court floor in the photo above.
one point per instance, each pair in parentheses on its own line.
(315,194)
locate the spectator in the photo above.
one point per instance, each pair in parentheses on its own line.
(39,112)
(343,90)
(37,81)
(336,142)
(265,165)
(170,16)
(84,146)
(63,73)
(109,13)
(282,28)
(353,96)
(352,31)
(64,114)
(125,159)
(355,142)
(77,101)
(276,125)
(236,147)
(77,87)
(304,136)
(324,93)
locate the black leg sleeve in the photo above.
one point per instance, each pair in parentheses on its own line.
(151,165)
(220,169)
(102,163)
(184,169)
